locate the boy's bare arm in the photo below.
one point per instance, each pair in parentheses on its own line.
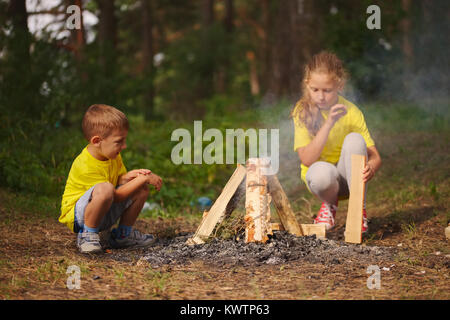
(127,189)
(130,175)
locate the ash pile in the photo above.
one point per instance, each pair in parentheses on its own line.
(282,247)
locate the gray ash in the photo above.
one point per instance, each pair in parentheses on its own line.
(282,247)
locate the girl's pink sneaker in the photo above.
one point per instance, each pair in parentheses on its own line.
(326,215)
(365,225)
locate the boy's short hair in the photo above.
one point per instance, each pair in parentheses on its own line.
(102,120)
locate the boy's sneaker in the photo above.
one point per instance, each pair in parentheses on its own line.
(326,215)
(136,239)
(365,222)
(89,242)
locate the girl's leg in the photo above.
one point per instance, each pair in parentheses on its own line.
(322,179)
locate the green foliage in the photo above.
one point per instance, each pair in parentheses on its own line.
(372,57)
(190,69)
(45,89)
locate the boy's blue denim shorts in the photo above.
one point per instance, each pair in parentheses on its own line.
(110,218)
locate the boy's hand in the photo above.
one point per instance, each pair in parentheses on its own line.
(130,175)
(155,180)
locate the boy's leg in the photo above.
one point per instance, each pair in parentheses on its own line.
(125,236)
(100,203)
(90,210)
(132,212)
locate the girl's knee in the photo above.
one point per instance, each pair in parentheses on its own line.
(321,176)
(354,140)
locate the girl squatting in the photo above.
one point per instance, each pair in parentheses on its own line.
(328,130)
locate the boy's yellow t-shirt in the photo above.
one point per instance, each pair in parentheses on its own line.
(353,121)
(87,171)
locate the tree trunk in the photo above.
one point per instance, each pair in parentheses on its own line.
(18,70)
(406,33)
(107,39)
(266,52)
(147,57)
(107,30)
(292,30)
(222,74)
(229,16)
(208,12)
(77,36)
(206,88)
(20,46)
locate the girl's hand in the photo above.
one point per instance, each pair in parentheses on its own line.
(368,172)
(336,112)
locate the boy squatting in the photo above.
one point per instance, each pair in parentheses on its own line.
(99,190)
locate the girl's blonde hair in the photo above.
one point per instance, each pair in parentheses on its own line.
(102,120)
(305,110)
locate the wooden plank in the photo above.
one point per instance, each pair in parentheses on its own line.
(353,226)
(257,202)
(219,208)
(277,226)
(318,229)
(283,206)
(307,229)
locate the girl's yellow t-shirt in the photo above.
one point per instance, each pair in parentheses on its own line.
(353,121)
(87,171)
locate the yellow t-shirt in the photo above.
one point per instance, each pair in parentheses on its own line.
(353,121)
(87,171)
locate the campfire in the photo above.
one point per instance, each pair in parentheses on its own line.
(260,190)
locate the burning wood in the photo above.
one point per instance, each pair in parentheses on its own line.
(220,208)
(259,190)
(257,202)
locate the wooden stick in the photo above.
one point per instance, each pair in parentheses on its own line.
(318,229)
(283,206)
(308,229)
(353,226)
(219,207)
(257,202)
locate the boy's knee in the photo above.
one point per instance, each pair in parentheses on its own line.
(104,191)
(143,192)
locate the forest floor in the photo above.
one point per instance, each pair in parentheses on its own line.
(36,254)
(408,208)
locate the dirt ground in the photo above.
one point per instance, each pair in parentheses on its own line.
(36,253)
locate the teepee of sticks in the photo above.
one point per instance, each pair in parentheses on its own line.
(259,190)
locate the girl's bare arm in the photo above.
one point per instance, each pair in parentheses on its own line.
(373,163)
(311,152)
